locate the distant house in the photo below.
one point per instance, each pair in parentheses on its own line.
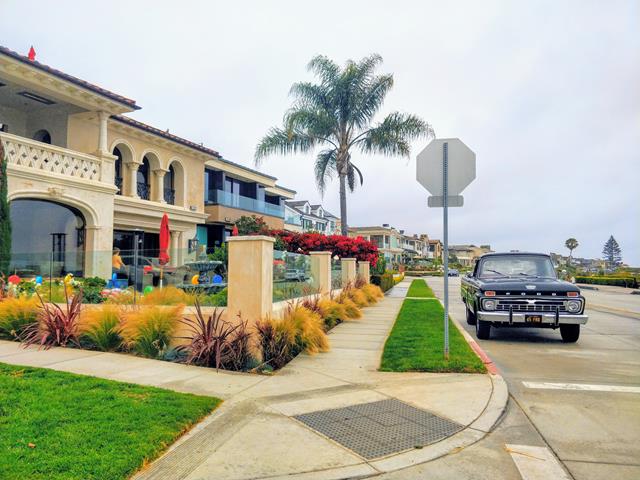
(302,216)
(468,254)
(388,239)
(434,249)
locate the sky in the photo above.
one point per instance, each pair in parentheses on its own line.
(546,93)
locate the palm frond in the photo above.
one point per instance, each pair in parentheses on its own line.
(371,99)
(281,141)
(352,171)
(393,134)
(325,168)
(315,123)
(325,68)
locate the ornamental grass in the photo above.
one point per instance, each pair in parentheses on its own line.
(102,328)
(15,314)
(148,331)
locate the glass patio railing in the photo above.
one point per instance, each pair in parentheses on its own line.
(229,199)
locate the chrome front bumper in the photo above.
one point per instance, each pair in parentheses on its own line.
(547,318)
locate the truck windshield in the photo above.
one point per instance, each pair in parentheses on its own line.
(517,266)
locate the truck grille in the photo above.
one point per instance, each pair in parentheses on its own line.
(522,305)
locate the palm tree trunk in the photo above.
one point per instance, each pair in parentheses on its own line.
(344,228)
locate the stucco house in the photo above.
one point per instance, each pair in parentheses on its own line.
(83,177)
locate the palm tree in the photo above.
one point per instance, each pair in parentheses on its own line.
(571,244)
(337,113)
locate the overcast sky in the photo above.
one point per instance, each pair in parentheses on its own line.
(547,93)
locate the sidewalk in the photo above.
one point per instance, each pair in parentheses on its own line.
(331,415)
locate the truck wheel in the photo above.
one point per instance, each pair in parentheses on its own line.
(483,330)
(570,333)
(471,317)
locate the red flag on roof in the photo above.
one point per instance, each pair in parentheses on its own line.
(32,53)
(234,232)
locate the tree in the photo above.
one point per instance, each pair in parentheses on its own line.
(5,218)
(571,244)
(337,114)
(612,253)
(251,225)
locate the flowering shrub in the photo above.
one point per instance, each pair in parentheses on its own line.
(344,247)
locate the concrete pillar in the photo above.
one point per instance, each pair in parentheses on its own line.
(157,185)
(98,251)
(321,271)
(103,118)
(131,186)
(348,271)
(364,271)
(250,277)
(173,249)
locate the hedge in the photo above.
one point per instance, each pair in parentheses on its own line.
(384,281)
(629,282)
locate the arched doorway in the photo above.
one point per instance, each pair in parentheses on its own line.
(142,180)
(42,136)
(118,169)
(46,238)
(169,186)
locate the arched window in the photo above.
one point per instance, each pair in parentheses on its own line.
(169,190)
(42,136)
(45,232)
(118,168)
(143,179)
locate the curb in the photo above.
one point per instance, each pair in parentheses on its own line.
(488,363)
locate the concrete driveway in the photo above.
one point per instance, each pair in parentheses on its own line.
(591,434)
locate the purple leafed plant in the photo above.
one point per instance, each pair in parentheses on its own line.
(55,327)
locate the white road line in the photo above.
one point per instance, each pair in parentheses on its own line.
(582,386)
(536,463)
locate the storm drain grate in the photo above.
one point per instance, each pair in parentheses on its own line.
(377,429)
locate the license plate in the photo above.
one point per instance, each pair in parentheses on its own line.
(534,318)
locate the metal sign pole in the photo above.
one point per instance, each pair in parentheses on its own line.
(445,194)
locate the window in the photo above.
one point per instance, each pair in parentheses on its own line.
(42,136)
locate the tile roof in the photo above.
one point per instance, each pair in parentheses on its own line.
(169,136)
(70,78)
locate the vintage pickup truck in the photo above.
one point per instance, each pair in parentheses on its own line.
(521,290)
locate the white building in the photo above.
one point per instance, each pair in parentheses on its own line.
(302,216)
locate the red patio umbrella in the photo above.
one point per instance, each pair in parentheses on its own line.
(165,238)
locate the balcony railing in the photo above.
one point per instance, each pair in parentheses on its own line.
(228,199)
(170,196)
(29,154)
(143,190)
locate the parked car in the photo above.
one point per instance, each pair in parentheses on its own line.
(294,275)
(454,272)
(521,290)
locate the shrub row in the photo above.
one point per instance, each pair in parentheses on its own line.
(629,282)
(151,330)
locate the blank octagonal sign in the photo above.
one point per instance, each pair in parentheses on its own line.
(461,166)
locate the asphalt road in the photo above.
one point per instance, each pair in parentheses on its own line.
(594,434)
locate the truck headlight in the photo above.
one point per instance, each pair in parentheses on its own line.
(489,304)
(573,306)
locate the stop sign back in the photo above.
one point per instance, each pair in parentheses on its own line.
(461,166)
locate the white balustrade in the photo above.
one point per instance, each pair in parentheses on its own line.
(23,152)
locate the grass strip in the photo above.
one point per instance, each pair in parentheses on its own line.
(58,425)
(420,289)
(416,343)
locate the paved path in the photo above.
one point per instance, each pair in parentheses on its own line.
(254,435)
(593,431)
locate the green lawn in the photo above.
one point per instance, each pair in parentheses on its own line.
(416,342)
(56,425)
(419,288)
